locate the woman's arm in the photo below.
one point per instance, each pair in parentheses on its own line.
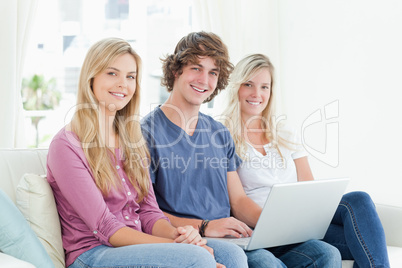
(185,234)
(303,169)
(163,232)
(128,236)
(243,207)
(178,221)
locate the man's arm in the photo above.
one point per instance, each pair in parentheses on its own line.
(215,228)
(178,221)
(243,208)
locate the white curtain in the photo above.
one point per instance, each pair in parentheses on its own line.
(245,26)
(16,20)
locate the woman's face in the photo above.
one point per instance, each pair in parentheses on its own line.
(115,86)
(254,94)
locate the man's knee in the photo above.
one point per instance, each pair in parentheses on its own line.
(326,255)
(228,254)
(262,258)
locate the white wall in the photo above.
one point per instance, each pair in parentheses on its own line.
(346,55)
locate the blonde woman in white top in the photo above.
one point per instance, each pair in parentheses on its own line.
(272,153)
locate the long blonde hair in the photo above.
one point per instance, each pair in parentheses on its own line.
(85,123)
(243,71)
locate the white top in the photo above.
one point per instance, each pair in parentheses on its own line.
(259,172)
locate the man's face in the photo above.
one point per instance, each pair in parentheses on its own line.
(197,81)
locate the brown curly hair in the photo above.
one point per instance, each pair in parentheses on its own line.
(188,51)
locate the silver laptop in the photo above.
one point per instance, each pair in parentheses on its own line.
(294,213)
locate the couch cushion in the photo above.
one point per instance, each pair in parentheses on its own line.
(395,256)
(347,264)
(11,262)
(16,237)
(36,202)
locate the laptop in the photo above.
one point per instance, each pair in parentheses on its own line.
(294,213)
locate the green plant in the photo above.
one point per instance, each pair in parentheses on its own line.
(39,94)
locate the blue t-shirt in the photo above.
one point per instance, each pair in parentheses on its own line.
(189,173)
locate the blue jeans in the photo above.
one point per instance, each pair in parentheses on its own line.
(261,258)
(357,232)
(228,254)
(162,255)
(312,253)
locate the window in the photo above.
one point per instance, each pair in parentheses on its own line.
(65,29)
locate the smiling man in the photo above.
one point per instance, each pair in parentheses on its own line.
(204,192)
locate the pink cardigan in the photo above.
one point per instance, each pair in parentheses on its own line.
(88,219)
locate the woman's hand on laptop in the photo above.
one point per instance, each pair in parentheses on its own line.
(227,227)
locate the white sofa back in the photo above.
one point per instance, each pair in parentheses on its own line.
(16,162)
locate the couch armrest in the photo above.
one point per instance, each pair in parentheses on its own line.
(391,219)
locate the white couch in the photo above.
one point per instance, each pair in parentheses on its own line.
(16,164)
